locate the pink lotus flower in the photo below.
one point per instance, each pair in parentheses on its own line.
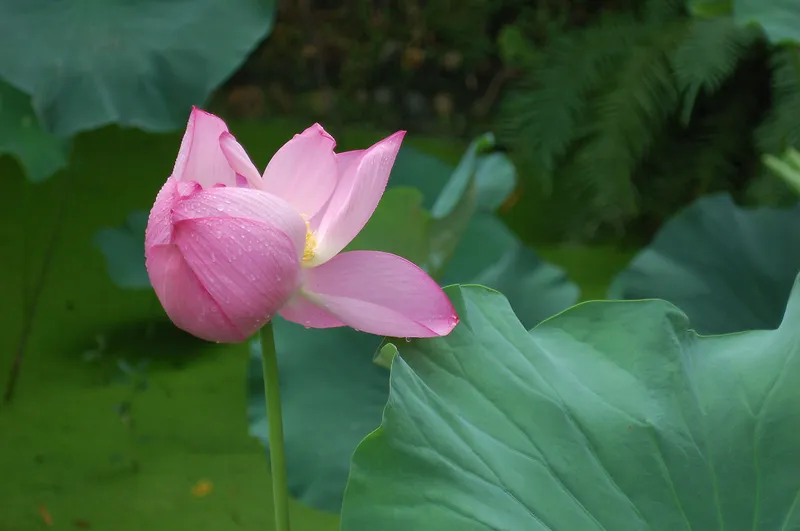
(227,248)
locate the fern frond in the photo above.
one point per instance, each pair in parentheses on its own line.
(707,56)
(716,153)
(781,129)
(631,115)
(541,118)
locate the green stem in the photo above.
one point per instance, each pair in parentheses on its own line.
(277,453)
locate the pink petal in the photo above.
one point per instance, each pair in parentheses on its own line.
(302,311)
(185,300)
(238,160)
(159,223)
(303,171)
(200,157)
(244,204)
(345,162)
(362,180)
(379,293)
(250,269)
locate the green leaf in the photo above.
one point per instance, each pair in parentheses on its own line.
(385,354)
(39,153)
(495,180)
(609,416)
(123,249)
(457,187)
(495,175)
(426,173)
(455,206)
(780,19)
(729,268)
(786,167)
(491,255)
(88,64)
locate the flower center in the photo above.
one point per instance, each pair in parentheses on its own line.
(311,243)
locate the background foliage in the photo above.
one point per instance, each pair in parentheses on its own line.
(623,121)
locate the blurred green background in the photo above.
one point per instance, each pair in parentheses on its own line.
(618,126)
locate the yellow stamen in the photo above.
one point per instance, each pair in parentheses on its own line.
(311,243)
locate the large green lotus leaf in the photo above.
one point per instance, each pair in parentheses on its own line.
(90,63)
(39,153)
(729,268)
(780,19)
(609,416)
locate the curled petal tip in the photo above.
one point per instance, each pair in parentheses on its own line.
(303,171)
(199,156)
(316,128)
(238,159)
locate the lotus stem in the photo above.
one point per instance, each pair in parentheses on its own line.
(277,453)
